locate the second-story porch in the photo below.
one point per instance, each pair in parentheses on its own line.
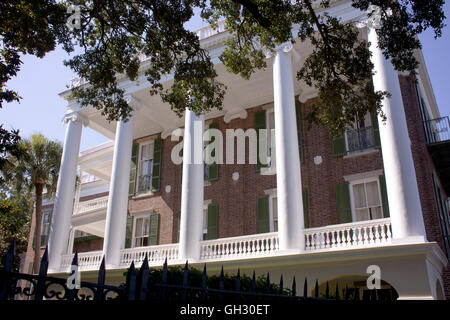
(348,236)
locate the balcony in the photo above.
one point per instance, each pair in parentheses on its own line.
(360,139)
(437,133)
(363,234)
(92,205)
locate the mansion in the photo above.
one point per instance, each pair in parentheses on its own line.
(330,207)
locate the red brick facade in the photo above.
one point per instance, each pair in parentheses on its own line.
(237,200)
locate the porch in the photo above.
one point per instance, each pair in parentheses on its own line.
(348,236)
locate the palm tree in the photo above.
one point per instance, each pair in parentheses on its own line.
(37,170)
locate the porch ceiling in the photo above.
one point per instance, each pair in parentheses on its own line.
(154,116)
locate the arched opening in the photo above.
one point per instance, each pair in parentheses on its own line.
(355,287)
(439,291)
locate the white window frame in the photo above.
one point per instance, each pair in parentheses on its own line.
(133,233)
(45,230)
(352,198)
(272,193)
(139,166)
(206,203)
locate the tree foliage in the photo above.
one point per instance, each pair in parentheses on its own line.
(35,172)
(113,34)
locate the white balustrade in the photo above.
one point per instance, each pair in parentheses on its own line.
(92,205)
(155,254)
(246,246)
(333,237)
(86,261)
(349,235)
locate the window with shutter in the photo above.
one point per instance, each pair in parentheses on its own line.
(263,218)
(156,170)
(305,208)
(145,166)
(212,170)
(45,229)
(133,167)
(154,229)
(212,223)
(343,204)
(260,123)
(128,232)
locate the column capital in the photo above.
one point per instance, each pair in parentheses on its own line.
(285,47)
(75,116)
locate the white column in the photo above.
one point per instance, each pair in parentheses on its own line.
(116,215)
(71,240)
(289,185)
(401,183)
(191,223)
(60,228)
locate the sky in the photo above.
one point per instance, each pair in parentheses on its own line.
(40,80)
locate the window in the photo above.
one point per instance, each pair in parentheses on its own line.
(46,221)
(145,167)
(141,231)
(361,136)
(366,200)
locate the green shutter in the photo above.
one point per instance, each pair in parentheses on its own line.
(213,169)
(338,146)
(305,208)
(154,227)
(260,123)
(263,215)
(384,197)
(156,171)
(298,108)
(376,130)
(213,222)
(343,205)
(128,232)
(133,169)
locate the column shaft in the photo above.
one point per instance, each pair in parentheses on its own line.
(191,223)
(401,183)
(60,227)
(289,188)
(116,216)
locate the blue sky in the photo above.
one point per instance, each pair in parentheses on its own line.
(40,81)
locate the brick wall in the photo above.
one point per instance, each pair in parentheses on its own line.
(424,167)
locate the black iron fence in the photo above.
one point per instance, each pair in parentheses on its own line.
(14,285)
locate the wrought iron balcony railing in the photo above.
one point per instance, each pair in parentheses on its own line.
(437,130)
(360,139)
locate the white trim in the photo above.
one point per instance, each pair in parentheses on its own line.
(363,175)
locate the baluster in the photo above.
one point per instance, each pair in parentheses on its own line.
(322,240)
(388,232)
(382,234)
(354,237)
(376,235)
